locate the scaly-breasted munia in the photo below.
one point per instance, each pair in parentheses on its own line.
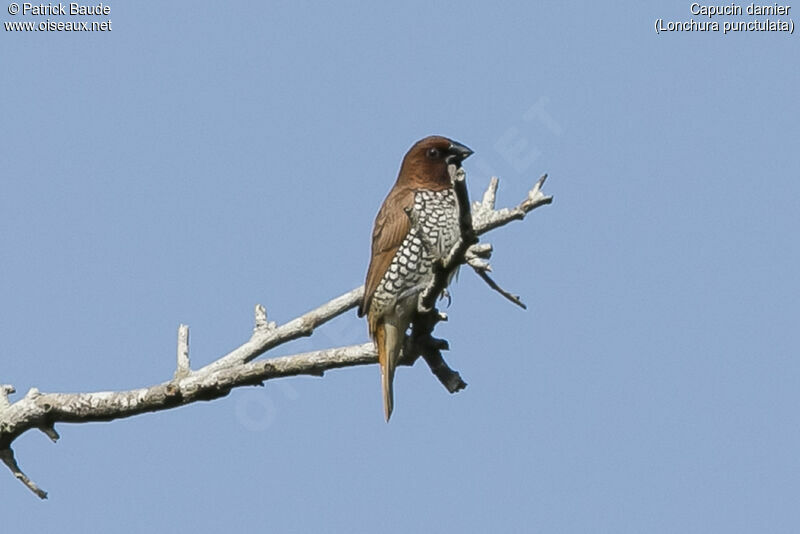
(416,225)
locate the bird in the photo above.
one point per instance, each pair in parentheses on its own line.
(417,224)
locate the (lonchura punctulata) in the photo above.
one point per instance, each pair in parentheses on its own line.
(416,225)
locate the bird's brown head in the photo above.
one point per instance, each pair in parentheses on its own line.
(425,163)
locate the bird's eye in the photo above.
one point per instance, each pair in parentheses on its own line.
(433,153)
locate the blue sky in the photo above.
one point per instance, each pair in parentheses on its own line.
(204,157)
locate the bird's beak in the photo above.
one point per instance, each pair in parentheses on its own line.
(458,153)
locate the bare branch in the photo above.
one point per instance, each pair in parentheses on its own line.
(237,368)
(486,219)
(263,340)
(37,409)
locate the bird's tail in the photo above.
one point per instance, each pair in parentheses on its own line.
(389,339)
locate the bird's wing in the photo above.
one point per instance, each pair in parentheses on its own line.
(391,226)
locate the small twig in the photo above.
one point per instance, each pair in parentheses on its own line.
(488,279)
(261,323)
(535,196)
(490,195)
(479,264)
(5,391)
(7,455)
(480,250)
(183,352)
(50,432)
(261,317)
